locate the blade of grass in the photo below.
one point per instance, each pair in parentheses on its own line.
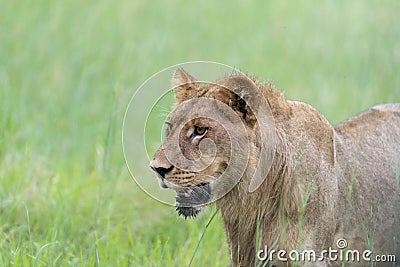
(201,238)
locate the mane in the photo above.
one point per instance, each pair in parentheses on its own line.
(278,199)
(280,193)
(277,102)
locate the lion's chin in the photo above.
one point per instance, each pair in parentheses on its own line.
(191,200)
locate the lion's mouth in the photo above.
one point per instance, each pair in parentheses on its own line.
(190,200)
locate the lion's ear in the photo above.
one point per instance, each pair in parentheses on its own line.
(183,84)
(246,97)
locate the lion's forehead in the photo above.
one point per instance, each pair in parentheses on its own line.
(201,107)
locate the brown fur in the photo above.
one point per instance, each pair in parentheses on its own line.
(325,182)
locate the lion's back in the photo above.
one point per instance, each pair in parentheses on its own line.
(371,140)
(375,117)
(368,157)
(372,136)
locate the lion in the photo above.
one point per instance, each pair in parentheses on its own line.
(327,188)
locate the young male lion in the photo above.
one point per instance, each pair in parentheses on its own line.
(287,181)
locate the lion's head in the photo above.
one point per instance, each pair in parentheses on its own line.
(209,136)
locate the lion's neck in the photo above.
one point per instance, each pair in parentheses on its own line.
(270,209)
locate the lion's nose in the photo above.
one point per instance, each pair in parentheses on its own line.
(161,170)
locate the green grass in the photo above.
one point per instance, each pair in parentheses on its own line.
(68,69)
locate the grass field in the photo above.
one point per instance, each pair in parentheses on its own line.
(68,69)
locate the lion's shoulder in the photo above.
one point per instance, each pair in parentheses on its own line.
(375,117)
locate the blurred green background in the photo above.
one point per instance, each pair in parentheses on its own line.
(68,69)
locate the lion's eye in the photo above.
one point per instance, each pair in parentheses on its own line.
(199,130)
